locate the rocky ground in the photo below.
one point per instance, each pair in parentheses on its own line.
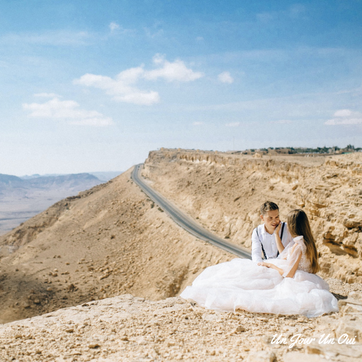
(127,328)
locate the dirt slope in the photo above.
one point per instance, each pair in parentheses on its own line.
(107,241)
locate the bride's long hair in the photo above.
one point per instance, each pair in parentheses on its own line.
(298,224)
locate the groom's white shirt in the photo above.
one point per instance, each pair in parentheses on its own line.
(269,243)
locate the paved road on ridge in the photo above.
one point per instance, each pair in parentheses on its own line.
(185,221)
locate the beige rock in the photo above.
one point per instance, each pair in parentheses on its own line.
(261,356)
(339,348)
(351,224)
(350,326)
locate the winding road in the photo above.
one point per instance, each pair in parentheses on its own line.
(185,221)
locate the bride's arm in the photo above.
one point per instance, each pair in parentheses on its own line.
(278,240)
(293,261)
(294,268)
(272,266)
(287,250)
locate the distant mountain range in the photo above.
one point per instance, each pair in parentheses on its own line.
(47,182)
(24,197)
(103,176)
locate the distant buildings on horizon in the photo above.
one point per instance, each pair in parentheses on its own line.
(299,150)
(334,150)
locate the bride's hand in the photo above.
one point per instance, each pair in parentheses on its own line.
(264,264)
(272,266)
(277,229)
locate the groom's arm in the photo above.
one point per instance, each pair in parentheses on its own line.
(255,248)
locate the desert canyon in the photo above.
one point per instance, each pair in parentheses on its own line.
(96,277)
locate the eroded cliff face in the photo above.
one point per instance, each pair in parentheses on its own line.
(224,192)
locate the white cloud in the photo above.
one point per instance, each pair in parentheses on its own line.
(225,77)
(131,75)
(113,26)
(67,110)
(198,123)
(233,124)
(176,71)
(46,95)
(123,87)
(343,113)
(345,117)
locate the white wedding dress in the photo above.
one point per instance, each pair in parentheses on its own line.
(243,284)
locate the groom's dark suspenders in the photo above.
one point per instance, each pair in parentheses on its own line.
(262,247)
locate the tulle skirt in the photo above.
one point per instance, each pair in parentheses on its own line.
(242,284)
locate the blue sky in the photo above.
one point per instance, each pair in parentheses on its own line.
(96,85)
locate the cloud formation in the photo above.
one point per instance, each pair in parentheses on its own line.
(123,87)
(176,71)
(67,110)
(225,77)
(345,117)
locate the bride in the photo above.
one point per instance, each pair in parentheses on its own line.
(286,285)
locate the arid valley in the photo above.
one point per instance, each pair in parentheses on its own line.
(97,276)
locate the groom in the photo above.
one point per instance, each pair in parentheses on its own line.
(270,238)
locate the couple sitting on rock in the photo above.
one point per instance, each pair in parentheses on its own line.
(283,283)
